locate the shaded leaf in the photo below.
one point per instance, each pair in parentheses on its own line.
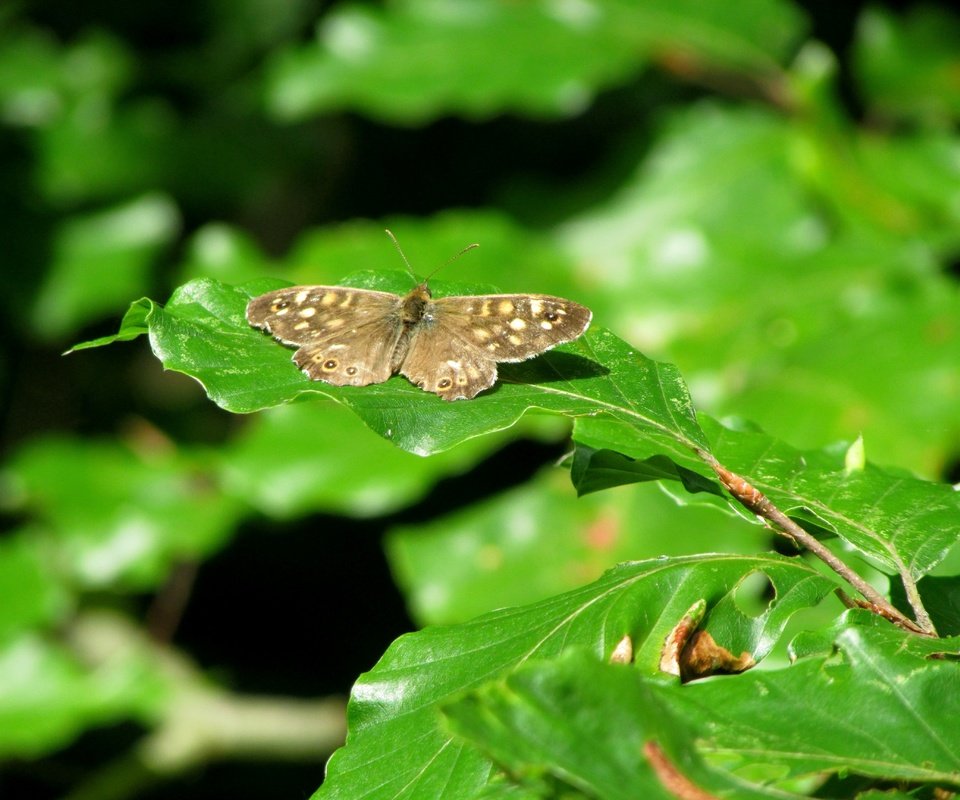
(47,697)
(906,63)
(941,597)
(117,516)
(306,457)
(100,261)
(539,540)
(905,524)
(412,61)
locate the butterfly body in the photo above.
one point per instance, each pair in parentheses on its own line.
(447,345)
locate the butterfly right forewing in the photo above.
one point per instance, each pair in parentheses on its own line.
(346,337)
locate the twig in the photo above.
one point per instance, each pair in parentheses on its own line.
(913,598)
(755,501)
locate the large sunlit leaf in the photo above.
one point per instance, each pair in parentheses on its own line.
(32,594)
(202,332)
(395,747)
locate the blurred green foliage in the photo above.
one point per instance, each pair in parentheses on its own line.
(775,214)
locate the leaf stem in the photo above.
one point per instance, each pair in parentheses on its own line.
(755,501)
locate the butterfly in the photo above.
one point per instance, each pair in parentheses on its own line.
(446,345)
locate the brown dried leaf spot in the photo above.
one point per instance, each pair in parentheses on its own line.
(702,656)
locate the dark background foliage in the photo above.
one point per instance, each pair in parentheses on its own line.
(186,127)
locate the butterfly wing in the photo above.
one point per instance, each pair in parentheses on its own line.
(455,349)
(344,336)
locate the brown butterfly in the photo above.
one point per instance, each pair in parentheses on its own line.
(446,345)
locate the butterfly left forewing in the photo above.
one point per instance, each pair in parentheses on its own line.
(345,336)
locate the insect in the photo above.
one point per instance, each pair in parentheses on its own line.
(446,345)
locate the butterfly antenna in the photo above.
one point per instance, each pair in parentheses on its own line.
(452,258)
(402,254)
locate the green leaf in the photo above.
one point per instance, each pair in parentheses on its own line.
(47,697)
(100,260)
(31,594)
(880,707)
(118,516)
(588,724)
(905,524)
(202,332)
(906,63)
(394,742)
(539,540)
(290,461)
(940,596)
(816,329)
(412,61)
(596,470)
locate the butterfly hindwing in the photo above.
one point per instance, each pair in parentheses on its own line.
(442,363)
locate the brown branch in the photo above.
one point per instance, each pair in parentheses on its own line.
(755,501)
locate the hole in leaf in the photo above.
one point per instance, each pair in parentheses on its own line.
(754,594)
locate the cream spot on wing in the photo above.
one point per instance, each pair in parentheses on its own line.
(301,296)
(505,307)
(301,326)
(308,312)
(282,311)
(518,324)
(481,334)
(485,309)
(453,364)
(328,299)
(347,301)
(514,339)
(546,325)
(536,307)
(336,322)
(493,346)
